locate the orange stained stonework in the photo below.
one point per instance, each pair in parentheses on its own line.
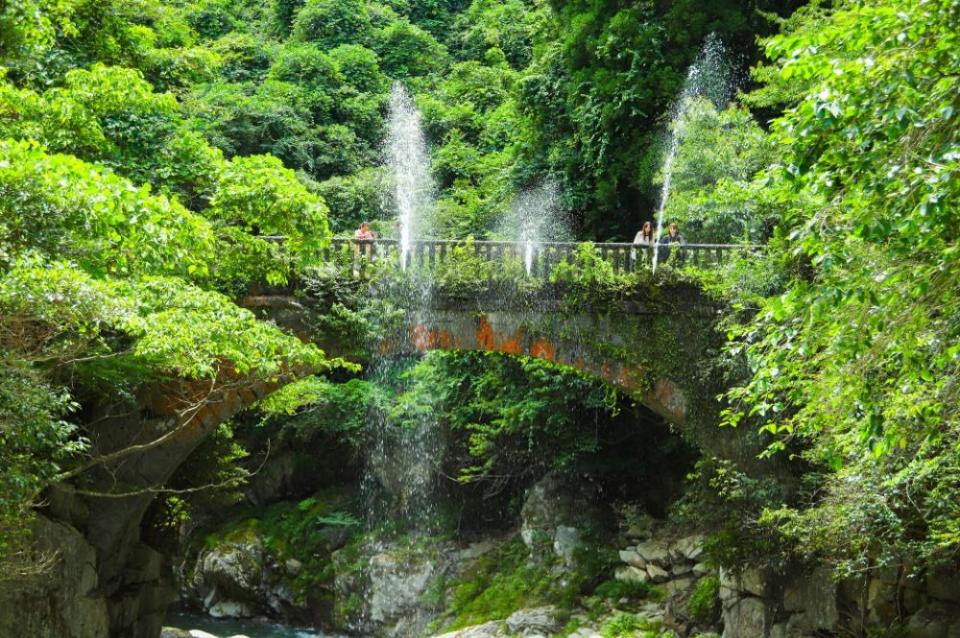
(670,396)
(485,336)
(512,344)
(488,339)
(443,339)
(425,338)
(663,395)
(196,406)
(419,334)
(542,349)
(630,378)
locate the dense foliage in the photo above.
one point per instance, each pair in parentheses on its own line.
(713,197)
(122,236)
(512,92)
(854,366)
(508,411)
(603,79)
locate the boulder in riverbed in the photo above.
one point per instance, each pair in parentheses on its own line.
(558,509)
(654,551)
(530,622)
(631,574)
(492,629)
(230,609)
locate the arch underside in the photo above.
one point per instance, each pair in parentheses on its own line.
(653,351)
(595,345)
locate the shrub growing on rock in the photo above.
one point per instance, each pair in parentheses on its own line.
(704,603)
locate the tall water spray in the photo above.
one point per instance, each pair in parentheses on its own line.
(710,76)
(528,236)
(403,453)
(534,217)
(409,163)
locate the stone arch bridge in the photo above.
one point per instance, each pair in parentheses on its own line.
(646,351)
(653,341)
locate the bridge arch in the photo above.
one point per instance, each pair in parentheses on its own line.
(652,358)
(654,347)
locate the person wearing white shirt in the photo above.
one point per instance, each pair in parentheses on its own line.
(644,237)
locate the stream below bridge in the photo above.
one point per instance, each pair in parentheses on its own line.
(229,628)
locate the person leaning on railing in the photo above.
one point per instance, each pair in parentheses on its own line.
(644,237)
(673,236)
(364,236)
(364,232)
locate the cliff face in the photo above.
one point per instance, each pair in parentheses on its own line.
(63,602)
(70,601)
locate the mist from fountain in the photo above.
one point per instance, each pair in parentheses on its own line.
(402,475)
(402,454)
(535,216)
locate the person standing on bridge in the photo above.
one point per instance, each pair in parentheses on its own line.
(673,236)
(363,236)
(364,233)
(644,237)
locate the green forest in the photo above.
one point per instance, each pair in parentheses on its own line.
(152,150)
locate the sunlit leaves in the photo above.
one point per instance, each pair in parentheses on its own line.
(260,197)
(330,23)
(406,50)
(853,364)
(58,316)
(505,27)
(66,208)
(713,197)
(320,407)
(29,27)
(193,333)
(35,439)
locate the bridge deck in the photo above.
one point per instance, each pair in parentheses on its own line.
(538,258)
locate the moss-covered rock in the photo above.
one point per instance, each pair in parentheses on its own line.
(704,602)
(390,588)
(560,513)
(276,561)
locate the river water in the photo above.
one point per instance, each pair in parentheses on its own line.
(227,628)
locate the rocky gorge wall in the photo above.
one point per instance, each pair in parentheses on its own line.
(104,580)
(887,601)
(65,601)
(660,583)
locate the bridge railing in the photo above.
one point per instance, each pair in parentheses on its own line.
(539,258)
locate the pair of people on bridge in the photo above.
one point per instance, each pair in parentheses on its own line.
(645,237)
